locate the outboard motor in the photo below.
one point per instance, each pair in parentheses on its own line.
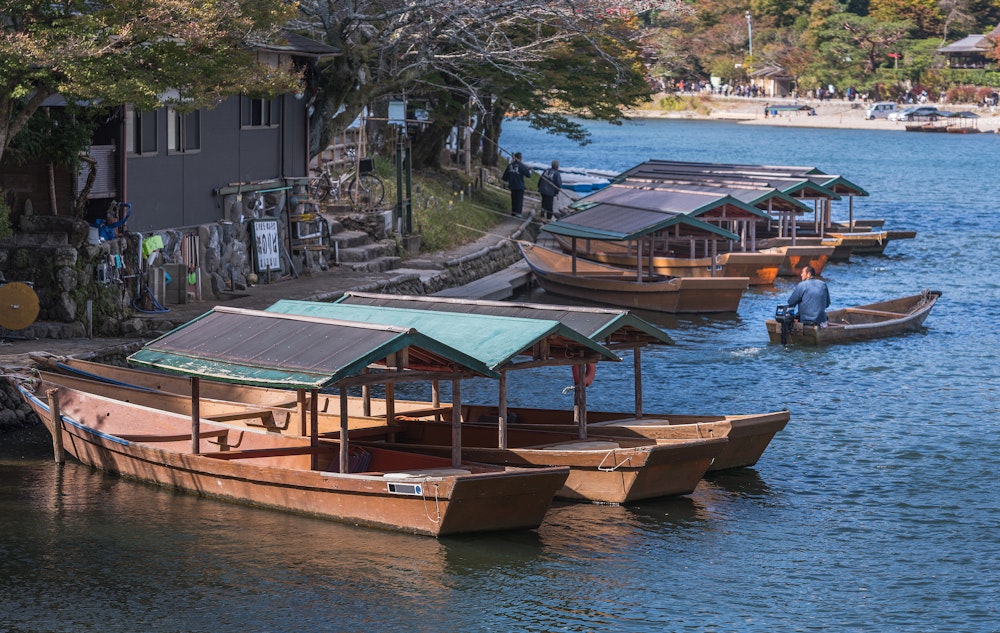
(786,317)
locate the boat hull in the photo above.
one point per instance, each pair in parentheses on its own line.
(749,435)
(285,473)
(860,323)
(584,280)
(602,470)
(760,269)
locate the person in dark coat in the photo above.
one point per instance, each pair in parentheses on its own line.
(514,176)
(549,185)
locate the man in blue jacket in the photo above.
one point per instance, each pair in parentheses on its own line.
(813,298)
(514,176)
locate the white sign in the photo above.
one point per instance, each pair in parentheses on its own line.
(267,247)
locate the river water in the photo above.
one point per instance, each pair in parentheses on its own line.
(875,510)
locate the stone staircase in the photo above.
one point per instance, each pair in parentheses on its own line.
(358,251)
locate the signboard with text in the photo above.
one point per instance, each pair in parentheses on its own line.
(267,253)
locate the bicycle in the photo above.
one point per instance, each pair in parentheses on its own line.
(363,187)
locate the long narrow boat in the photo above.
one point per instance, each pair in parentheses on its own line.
(748,435)
(760,268)
(605,470)
(384,488)
(864,322)
(584,280)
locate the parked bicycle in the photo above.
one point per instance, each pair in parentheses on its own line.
(362,186)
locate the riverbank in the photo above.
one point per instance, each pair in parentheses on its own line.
(835,114)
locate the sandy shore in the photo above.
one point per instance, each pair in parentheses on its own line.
(829,114)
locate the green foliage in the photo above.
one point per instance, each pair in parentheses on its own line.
(5,228)
(445,217)
(148,53)
(55,135)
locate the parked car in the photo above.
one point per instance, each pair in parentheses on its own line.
(880,110)
(916,112)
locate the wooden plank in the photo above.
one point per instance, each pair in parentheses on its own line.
(892,315)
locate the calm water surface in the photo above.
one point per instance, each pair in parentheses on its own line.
(875,510)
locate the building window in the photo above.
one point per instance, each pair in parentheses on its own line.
(183,132)
(140,131)
(257,113)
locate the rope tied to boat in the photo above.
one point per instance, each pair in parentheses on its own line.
(601,467)
(437,502)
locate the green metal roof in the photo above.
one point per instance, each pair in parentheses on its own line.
(598,324)
(293,352)
(495,341)
(606,221)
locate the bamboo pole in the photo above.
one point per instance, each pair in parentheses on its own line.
(502,422)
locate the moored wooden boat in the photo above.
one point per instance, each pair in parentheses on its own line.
(760,268)
(864,322)
(384,488)
(634,468)
(748,435)
(602,469)
(800,255)
(581,279)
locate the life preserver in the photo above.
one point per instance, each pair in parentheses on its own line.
(589,372)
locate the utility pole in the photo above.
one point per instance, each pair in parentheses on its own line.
(750,34)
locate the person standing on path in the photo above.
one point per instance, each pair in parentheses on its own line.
(549,185)
(514,176)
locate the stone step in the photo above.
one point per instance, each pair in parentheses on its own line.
(377,265)
(350,239)
(367,252)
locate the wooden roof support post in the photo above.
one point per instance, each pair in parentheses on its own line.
(314,424)
(580,401)
(195,415)
(456,423)
(366,397)
(57,440)
(502,422)
(300,397)
(637,371)
(344,464)
(850,210)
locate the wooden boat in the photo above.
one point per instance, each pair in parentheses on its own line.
(581,279)
(760,268)
(632,469)
(384,488)
(858,323)
(798,257)
(748,435)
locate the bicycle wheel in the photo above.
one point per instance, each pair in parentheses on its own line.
(320,188)
(366,190)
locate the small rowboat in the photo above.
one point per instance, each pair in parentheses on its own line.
(864,322)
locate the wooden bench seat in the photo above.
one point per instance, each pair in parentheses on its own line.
(267,417)
(891,315)
(144,438)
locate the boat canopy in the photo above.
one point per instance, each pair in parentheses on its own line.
(794,181)
(616,222)
(267,349)
(604,325)
(495,341)
(697,201)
